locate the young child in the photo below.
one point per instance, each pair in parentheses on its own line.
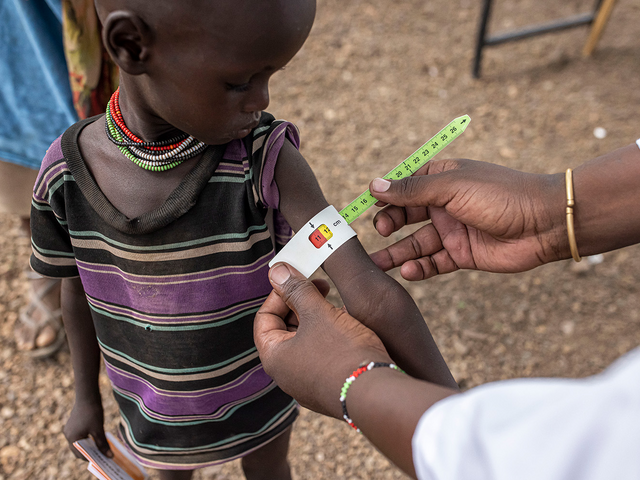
(154,216)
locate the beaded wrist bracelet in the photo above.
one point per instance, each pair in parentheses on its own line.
(347,383)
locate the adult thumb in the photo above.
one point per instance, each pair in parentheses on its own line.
(299,293)
(415,191)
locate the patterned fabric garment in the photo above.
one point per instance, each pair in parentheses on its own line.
(92,74)
(173,294)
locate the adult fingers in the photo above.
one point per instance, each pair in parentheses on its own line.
(427,267)
(423,242)
(269,326)
(323,287)
(300,294)
(391,218)
(414,191)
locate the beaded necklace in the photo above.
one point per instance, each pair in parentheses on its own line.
(154,156)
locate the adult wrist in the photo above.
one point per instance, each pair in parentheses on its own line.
(342,368)
(550,218)
(362,369)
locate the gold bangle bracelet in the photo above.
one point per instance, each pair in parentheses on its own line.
(568,178)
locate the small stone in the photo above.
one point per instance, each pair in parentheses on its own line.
(9,452)
(500,349)
(506,152)
(55,428)
(7,412)
(319,457)
(595,259)
(568,327)
(581,268)
(330,114)
(459,347)
(599,133)
(369,463)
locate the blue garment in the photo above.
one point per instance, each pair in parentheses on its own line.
(36,105)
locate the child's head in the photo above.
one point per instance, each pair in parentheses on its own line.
(202,66)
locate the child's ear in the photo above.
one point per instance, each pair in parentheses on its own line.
(127,38)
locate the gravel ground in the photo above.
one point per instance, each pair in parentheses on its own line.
(374,81)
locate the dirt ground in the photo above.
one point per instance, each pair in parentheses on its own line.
(375,80)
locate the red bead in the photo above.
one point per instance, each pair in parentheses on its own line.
(116,114)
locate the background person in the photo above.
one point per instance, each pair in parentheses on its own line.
(53,71)
(483,217)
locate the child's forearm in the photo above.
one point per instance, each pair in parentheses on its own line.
(384,306)
(85,353)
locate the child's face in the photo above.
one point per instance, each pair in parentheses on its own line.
(208,73)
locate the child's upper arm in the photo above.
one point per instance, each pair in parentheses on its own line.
(301,198)
(300,195)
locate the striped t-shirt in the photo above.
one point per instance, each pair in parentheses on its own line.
(173,294)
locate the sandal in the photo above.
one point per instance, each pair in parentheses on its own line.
(40,336)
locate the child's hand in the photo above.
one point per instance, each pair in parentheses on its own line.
(87,419)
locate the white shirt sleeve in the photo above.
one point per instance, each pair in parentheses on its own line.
(542,429)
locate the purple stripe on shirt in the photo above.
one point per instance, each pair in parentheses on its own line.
(210,317)
(199,292)
(227,168)
(45,180)
(202,402)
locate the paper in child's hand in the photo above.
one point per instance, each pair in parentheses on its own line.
(123,466)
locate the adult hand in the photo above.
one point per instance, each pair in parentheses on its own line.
(308,346)
(483,216)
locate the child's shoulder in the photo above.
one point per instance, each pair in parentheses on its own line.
(270,131)
(55,163)
(53,155)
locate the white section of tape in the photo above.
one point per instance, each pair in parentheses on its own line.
(301,252)
(638,142)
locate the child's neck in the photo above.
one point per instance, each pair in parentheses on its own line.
(139,118)
(132,190)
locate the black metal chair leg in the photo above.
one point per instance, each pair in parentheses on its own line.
(480,41)
(483,40)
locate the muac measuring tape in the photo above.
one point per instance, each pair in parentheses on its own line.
(329,229)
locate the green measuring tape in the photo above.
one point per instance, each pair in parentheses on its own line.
(410,166)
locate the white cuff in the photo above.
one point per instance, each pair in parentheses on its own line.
(315,242)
